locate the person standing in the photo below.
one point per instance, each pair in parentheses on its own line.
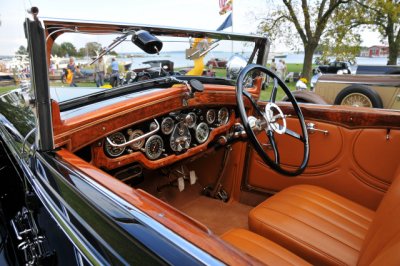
(114,73)
(71,67)
(273,65)
(100,70)
(284,70)
(279,69)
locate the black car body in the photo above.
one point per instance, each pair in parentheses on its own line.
(334,67)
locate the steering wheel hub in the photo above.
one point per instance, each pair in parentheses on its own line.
(273,119)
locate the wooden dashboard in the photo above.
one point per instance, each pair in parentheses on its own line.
(92,129)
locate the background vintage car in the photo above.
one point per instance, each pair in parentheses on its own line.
(378,91)
(191,170)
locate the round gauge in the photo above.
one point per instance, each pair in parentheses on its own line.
(167,125)
(153,125)
(210,116)
(116,138)
(202,132)
(133,135)
(180,138)
(190,120)
(154,147)
(223,116)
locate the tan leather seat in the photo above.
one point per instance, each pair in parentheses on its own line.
(324,228)
(261,248)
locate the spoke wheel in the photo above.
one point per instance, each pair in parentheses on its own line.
(357,100)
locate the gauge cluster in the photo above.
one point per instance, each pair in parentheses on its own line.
(174,133)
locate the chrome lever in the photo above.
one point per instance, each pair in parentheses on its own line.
(311,129)
(122,145)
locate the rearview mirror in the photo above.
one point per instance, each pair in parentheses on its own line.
(147,42)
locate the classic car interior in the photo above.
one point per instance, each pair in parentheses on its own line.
(247,180)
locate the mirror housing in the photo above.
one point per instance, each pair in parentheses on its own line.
(147,42)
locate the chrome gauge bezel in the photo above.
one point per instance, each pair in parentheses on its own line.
(213,115)
(154,155)
(164,129)
(223,116)
(202,126)
(135,134)
(192,123)
(115,151)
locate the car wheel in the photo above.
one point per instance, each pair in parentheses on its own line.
(359,95)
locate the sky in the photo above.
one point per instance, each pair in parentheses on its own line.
(197,14)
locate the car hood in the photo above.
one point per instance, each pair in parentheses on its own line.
(61,94)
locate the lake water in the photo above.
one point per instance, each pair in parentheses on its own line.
(180,61)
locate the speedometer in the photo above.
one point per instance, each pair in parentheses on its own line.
(154,147)
(116,138)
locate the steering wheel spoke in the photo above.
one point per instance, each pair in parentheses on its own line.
(272,121)
(253,103)
(272,141)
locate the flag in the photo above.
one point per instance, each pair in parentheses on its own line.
(225,6)
(227,23)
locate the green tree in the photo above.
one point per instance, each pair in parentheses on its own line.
(304,20)
(92,48)
(22,50)
(68,48)
(56,50)
(382,16)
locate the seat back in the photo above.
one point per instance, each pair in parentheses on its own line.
(382,243)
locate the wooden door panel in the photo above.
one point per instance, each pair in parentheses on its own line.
(356,163)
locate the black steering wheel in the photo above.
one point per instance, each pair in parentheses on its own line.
(272,120)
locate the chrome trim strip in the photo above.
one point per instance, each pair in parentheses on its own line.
(48,203)
(69,230)
(139,215)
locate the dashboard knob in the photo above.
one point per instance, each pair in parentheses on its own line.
(222,140)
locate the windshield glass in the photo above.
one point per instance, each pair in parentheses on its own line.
(72,55)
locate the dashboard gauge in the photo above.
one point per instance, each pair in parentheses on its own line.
(116,138)
(153,125)
(190,119)
(210,116)
(202,132)
(223,116)
(133,135)
(154,147)
(167,125)
(180,138)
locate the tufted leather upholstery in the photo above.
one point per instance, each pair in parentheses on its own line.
(261,248)
(325,228)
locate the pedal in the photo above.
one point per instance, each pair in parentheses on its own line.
(192,177)
(181,184)
(222,195)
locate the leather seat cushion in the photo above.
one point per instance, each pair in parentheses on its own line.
(261,248)
(314,223)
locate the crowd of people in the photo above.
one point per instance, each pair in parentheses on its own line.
(73,71)
(280,69)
